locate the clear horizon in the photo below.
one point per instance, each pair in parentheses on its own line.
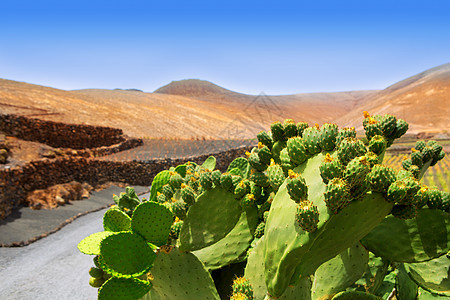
(252,47)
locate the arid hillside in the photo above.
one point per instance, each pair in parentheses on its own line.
(197,109)
(422,100)
(219,113)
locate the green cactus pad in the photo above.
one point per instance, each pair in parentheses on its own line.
(276,150)
(340,272)
(296,150)
(242,188)
(296,186)
(345,133)
(229,249)
(181,169)
(254,272)
(276,176)
(286,163)
(311,137)
(215,177)
(356,171)
(187,194)
(265,139)
(337,194)
(328,133)
(331,168)
(175,180)
(90,245)
(123,289)
(179,275)
(264,154)
(209,163)
(167,191)
(349,149)
(226,181)
(307,216)
(152,221)
(116,220)
(161,179)
(406,288)
(242,164)
(206,180)
(433,275)
(287,245)
(400,129)
(290,128)
(355,295)
(380,178)
(277,130)
(301,126)
(128,200)
(259,178)
(377,144)
(175,230)
(415,240)
(126,254)
(211,218)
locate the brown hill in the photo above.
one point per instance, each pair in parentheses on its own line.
(423,100)
(208,112)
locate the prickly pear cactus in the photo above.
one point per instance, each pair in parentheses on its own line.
(295,211)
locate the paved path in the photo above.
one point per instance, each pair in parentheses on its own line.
(51,268)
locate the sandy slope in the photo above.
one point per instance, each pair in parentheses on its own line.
(422,100)
(196,108)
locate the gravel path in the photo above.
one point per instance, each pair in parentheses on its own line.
(51,268)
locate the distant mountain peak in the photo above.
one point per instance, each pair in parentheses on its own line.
(193,88)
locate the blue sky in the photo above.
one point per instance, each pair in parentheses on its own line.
(276,47)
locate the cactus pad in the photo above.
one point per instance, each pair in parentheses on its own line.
(311,137)
(161,179)
(265,139)
(211,218)
(296,150)
(233,245)
(123,289)
(328,134)
(179,275)
(296,187)
(90,245)
(349,149)
(126,254)
(340,272)
(433,275)
(415,240)
(209,163)
(241,163)
(116,220)
(307,216)
(152,221)
(330,168)
(380,178)
(277,130)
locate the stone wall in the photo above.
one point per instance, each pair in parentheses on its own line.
(16,183)
(59,135)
